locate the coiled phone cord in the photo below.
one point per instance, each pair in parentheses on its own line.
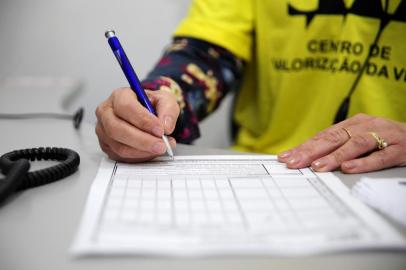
(15,166)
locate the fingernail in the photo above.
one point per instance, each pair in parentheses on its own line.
(318,165)
(285,154)
(168,122)
(348,165)
(157,131)
(158,148)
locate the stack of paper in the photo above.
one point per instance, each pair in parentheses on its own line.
(385,195)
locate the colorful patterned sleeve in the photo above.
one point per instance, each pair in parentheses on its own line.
(200,74)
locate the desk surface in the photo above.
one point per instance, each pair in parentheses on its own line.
(52,94)
(37,226)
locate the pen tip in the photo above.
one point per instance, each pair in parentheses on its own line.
(168,147)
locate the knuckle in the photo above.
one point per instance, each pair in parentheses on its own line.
(123,106)
(379,122)
(111,129)
(118,93)
(115,93)
(320,135)
(360,142)
(122,151)
(333,136)
(362,116)
(100,109)
(339,156)
(145,122)
(308,152)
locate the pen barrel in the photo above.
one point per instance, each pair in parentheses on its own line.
(130,74)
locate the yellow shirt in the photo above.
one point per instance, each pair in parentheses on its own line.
(303,58)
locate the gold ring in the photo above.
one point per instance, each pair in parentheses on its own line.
(348,132)
(380,143)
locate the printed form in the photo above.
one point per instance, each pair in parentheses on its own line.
(224,205)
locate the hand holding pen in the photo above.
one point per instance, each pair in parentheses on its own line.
(132,124)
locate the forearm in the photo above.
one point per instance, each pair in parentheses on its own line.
(200,74)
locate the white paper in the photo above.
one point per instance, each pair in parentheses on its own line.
(224,205)
(386,195)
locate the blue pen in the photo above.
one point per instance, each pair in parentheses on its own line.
(133,79)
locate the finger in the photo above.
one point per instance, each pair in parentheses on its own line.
(358,145)
(378,160)
(118,151)
(102,108)
(172,142)
(123,132)
(127,107)
(113,156)
(166,107)
(323,143)
(318,146)
(331,138)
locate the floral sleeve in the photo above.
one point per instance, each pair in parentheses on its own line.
(200,74)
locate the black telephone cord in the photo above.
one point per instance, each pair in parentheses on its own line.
(15,166)
(344,108)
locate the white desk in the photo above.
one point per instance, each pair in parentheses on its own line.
(37,226)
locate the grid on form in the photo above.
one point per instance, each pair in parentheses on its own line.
(280,200)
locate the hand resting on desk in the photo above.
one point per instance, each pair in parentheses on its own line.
(359,144)
(129,132)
